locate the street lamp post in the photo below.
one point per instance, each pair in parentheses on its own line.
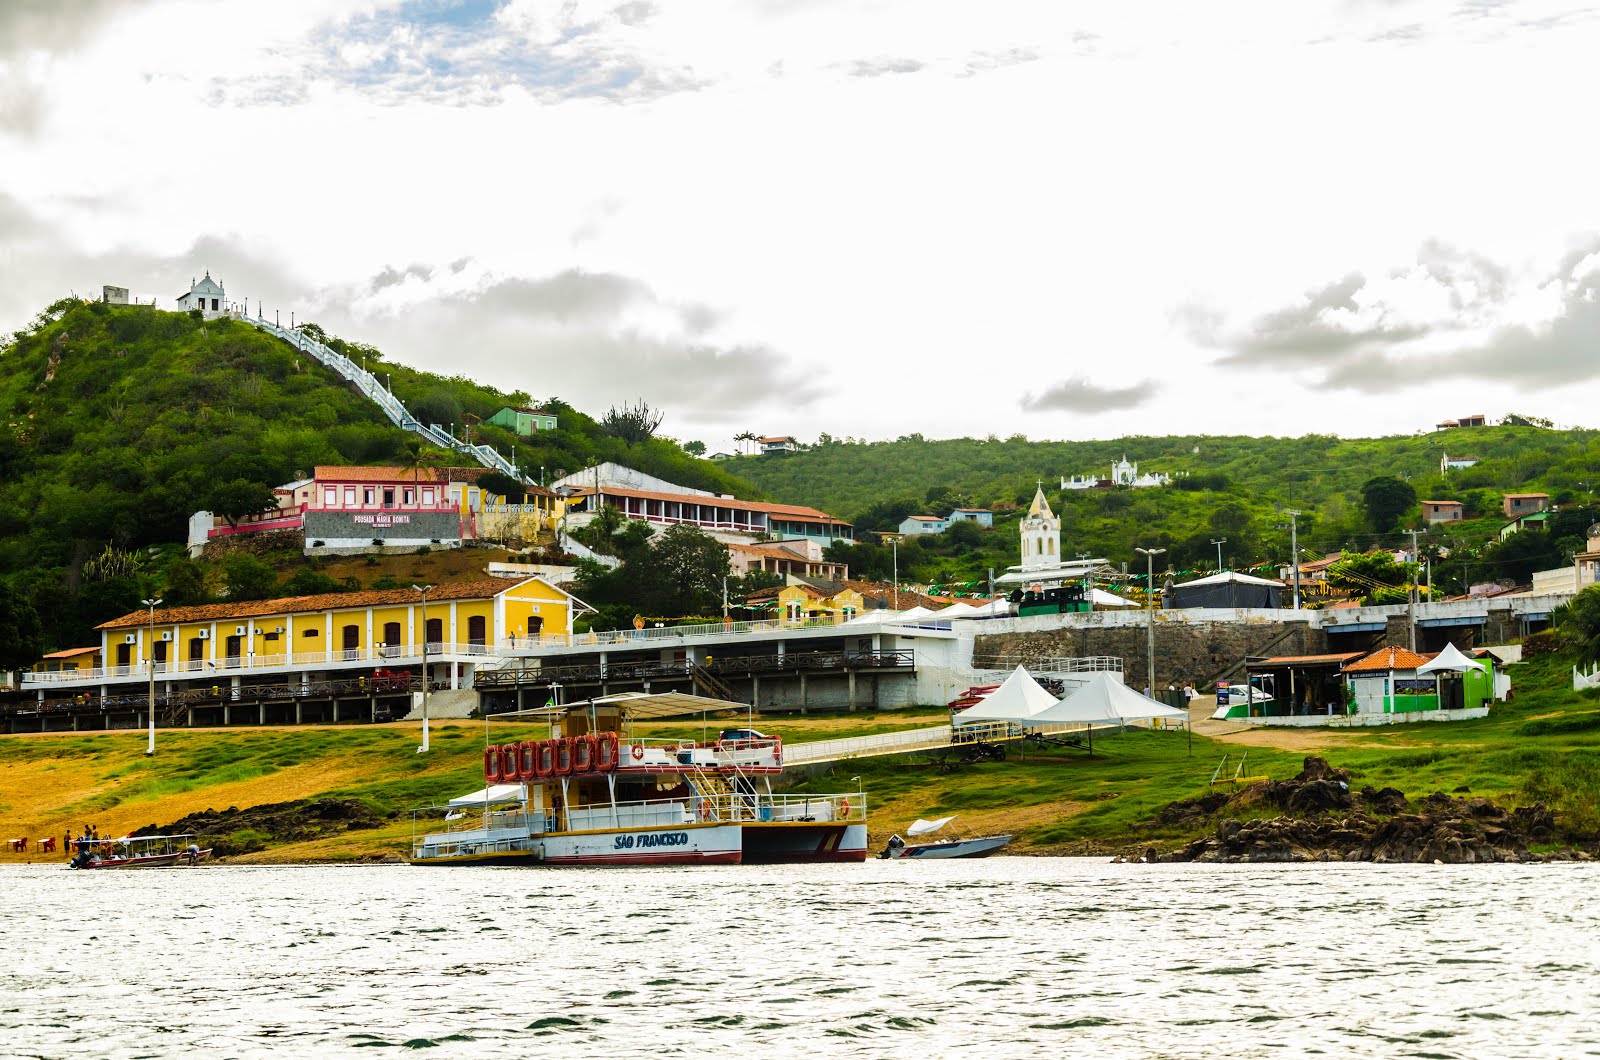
(423,589)
(894,551)
(150,660)
(1294,554)
(1150,555)
(1219,542)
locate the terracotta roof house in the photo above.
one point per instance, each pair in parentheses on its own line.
(1514,504)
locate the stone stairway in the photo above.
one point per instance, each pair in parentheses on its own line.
(392,407)
(445,703)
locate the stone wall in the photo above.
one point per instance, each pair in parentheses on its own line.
(1201,652)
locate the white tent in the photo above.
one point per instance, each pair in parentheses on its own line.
(1229,577)
(911,615)
(1100,598)
(1018,698)
(957,610)
(490,796)
(1104,700)
(1450,660)
(996,607)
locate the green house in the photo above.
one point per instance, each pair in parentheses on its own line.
(523,421)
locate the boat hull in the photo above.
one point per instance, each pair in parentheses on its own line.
(153,861)
(690,844)
(980,847)
(782,843)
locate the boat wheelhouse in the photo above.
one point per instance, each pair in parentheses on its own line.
(594,793)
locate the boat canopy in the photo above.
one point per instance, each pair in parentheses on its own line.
(921,827)
(493,795)
(1018,698)
(634,706)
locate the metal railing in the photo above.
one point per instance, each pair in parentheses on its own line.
(165,670)
(396,684)
(652,634)
(749,665)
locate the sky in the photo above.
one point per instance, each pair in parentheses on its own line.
(864,218)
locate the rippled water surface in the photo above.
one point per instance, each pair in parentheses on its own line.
(1004,957)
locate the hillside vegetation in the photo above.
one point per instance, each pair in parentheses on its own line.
(120,421)
(1233,488)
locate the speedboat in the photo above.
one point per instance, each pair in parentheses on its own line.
(945,847)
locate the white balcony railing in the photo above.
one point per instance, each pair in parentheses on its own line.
(380,655)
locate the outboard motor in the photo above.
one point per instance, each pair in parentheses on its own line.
(896,844)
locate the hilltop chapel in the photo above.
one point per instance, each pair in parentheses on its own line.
(1042,566)
(205,295)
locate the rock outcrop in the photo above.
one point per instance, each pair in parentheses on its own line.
(235,831)
(1322,820)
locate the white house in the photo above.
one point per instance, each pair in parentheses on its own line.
(778,444)
(1449,463)
(981,516)
(922,524)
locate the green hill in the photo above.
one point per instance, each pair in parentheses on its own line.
(120,421)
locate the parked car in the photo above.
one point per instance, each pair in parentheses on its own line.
(734,735)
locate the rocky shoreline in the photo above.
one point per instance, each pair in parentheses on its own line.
(233,831)
(1322,819)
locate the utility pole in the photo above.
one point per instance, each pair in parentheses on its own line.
(1219,542)
(150,658)
(1294,555)
(1411,592)
(423,589)
(1150,555)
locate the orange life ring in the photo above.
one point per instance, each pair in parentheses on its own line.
(605,753)
(637,752)
(844,807)
(705,810)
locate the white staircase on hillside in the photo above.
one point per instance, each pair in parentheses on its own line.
(368,384)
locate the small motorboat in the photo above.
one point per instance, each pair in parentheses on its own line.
(139,852)
(950,846)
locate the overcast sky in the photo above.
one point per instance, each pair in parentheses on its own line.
(863,217)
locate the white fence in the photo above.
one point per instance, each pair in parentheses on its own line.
(1580,681)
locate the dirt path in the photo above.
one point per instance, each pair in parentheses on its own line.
(1237,732)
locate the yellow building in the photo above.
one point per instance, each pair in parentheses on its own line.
(803,601)
(71,660)
(460,625)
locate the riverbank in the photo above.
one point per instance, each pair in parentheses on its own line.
(1543,748)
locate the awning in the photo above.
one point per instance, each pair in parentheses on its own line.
(1469,620)
(491,796)
(1357,627)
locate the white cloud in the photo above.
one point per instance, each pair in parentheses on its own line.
(892,212)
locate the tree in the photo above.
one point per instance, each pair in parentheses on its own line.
(690,566)
(184,582)
(1513,419)
(633,423)
(742,437)
(249,578)
(1375,576)
(1579,620)
(1386,499)
(503,485)
(1518,556)
(695,448)
(20,640)
(237,498)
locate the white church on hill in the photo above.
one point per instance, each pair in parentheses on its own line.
(205,295)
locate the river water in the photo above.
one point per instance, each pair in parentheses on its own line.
(1002,957)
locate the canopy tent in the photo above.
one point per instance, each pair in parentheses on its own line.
(1100,598)
(1018,698)
(1228,589)
(1104,700)
(1451,660)
(493,795)
(997,607)
(911,615)
(957,610)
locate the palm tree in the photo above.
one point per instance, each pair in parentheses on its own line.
(745,436)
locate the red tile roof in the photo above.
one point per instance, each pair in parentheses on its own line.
(1387,659)
(1527,495)
(483,589)
(1444,504)
(333,473)
(71,653)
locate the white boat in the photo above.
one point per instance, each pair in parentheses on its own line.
(139,852)
(592,795)
(947,847)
